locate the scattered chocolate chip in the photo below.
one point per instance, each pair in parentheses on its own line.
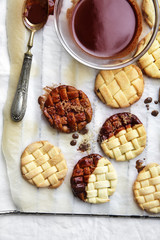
(73,142)
(75,136)
(154,113)
(148,100)
(84,146)
(83,131)
(139,165)
(156,102)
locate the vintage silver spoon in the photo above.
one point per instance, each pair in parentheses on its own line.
(35,15)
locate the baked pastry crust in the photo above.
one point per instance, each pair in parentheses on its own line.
(94,179)
(43,165)
(148,12)
(146,188)
(150,62)
(66,108)
(122,136)
(120,88)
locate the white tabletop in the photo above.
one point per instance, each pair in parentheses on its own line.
(13,226)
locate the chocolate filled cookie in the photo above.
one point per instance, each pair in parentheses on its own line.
(94,179)
(146,188)
(122,136)
(66,108)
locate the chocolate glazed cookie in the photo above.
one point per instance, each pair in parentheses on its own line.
(66,108)
(122,136)
(93,179)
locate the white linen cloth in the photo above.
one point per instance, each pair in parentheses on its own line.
(58,227)
(53,65)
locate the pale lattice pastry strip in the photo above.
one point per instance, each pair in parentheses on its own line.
(94,179)
(43,165)
(147,188)
(102,182)
(148,11)
(120,88)
(150,62)
(127,144)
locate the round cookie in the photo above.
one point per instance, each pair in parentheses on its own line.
(150,62)
(122,136)
(43,165)
(66,108)
(94,179)
(120,88)
(146,188)
(148,12)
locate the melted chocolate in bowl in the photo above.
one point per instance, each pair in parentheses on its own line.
(106,28)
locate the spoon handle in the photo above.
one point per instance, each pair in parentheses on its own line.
(19,104)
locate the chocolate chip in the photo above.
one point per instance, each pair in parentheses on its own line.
(154,113)
(148,100)
(156,102)
(73,142)
(75,136)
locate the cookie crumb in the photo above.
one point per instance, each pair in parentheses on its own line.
(83,131)
(84,146)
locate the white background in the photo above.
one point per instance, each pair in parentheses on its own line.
(57,227)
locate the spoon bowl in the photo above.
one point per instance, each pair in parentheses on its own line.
(29,20)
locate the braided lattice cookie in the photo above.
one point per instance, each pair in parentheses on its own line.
(122,136)
(147,188)
(150,62)
(93,179)
(43,165)
(120,88)
(66,108)
(148,11)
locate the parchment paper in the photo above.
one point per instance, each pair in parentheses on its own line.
(52,65)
